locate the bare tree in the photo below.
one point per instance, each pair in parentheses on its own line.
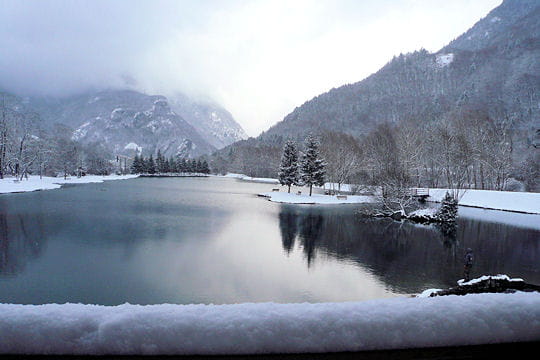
(343,156)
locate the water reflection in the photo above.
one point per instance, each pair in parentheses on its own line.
(410,257)
(21,240)
(211,240)
(288,225)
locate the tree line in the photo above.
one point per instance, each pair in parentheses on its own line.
(162,165)
(467,149)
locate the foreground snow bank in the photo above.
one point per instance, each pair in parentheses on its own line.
(268,327)
(34,183)
(525,202)
(290,198)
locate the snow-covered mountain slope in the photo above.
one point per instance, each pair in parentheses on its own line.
(215,124)
(125,122)
(493,69)
(500,23)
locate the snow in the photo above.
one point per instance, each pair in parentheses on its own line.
(444,59)
(133,146)
(80,132)
(269,327)
(427,293)
(487,277)
(335,186)
(497,200)
(291,198)
(427,212)
(252,179)
(34,183)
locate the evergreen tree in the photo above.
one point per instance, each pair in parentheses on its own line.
(150,165)
(193,166)
(172,165)
(312,165)
(447,216)
(138,165)
(288,169)
(134,164)
(449,209)
(180,164)
(205,169)
(160,162)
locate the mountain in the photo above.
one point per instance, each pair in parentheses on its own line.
(215,124)
(493,68)
(125,120)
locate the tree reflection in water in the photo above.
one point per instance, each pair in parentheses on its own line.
(410,257)
(21,239)
(288,225)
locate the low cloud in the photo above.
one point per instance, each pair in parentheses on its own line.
(258,58)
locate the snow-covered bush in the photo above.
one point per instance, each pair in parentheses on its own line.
(448,210)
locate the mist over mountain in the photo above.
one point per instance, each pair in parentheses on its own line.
(493,70)
(126,120)
(214,123)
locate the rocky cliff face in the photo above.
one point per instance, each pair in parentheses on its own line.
(215,124)
(125,122)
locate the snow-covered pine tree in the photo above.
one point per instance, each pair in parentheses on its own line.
(312,165)
(160,162)
(288,168)
(449,209)
(172,165)
(150,165)
(205,167)
(137,167)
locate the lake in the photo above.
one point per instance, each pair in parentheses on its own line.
(212,240)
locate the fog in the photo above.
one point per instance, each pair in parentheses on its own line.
(257,58)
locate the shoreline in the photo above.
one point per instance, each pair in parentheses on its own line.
(34,183)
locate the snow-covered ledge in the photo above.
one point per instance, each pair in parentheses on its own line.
(268,327)
(295,198)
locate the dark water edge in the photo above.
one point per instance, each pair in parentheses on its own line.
(211,240)
(526,350)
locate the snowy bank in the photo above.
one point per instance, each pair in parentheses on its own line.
(290,198)
(268,327)
(525,202)
(34,183)
(529,221)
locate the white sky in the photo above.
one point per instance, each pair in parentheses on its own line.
(258,58)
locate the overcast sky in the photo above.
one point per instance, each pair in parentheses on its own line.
(258,58)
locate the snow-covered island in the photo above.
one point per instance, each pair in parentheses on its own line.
(265,328)
(35,183)
(521,202)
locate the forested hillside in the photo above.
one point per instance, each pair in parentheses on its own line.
(478,98)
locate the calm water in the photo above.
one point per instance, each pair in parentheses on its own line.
(211,240)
